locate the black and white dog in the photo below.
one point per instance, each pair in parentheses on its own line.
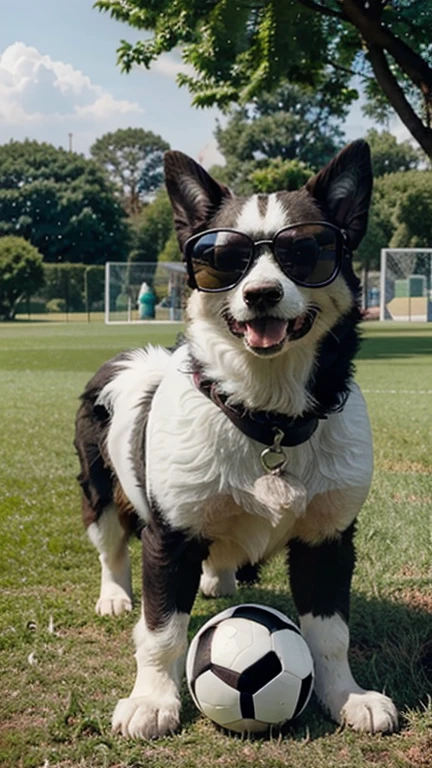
(248,438)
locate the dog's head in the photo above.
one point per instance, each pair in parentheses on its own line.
(273,270)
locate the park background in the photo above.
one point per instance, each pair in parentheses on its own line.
(81,184)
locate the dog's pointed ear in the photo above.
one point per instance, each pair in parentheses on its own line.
(195,196)
(343,190)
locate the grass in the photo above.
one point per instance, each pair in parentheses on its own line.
(62,667)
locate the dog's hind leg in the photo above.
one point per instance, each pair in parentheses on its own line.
(320,580)
(111,541)
(99,508)
(171,574)
(217,583)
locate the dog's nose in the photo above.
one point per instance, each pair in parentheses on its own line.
(264,294)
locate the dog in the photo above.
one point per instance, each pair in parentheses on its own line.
(249,438)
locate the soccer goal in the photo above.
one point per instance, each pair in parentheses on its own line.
(141,291)
(406,284)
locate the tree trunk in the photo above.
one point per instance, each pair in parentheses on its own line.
(379,40)
(375,33)
(398,100)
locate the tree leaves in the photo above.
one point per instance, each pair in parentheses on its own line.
(61,202)
(21,273)
(133,159)
(289,124)
(240,49)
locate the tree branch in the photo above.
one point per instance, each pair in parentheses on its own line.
(398,100)
(348,71)
(375,34)
(323,9)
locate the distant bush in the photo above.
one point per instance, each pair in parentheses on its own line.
(56,305)
(21,273)
(67,288)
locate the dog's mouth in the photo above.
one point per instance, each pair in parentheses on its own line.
(267,334)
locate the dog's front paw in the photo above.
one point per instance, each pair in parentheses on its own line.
(369,711)
(113,602)
(146,717)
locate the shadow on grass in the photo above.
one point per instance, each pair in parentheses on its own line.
(391,652)
(402,346)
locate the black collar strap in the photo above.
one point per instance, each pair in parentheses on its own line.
(259,425)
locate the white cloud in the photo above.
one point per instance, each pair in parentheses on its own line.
(105,107)
(209,155)
(34,89)
(170,65)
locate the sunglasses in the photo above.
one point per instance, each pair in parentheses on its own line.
(309,253)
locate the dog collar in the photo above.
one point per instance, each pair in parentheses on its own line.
(261,426)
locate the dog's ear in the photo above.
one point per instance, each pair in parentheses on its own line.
(343,190)
(195,196)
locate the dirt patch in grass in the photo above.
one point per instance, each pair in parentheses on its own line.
(404,467)
(412,498)
(21,722)
(410,571)
(415,599)
(377,757)
(418,755)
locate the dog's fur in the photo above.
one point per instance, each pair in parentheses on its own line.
(160,458)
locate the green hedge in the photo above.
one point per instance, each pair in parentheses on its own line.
(68,288)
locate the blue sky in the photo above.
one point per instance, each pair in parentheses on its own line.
(58,76)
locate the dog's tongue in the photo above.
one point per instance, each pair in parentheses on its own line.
(265,332)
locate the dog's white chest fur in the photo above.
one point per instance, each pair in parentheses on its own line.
(201,469)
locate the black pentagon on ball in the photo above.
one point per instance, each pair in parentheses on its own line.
(268,619)
(305,689)
(202,660)
(252,679)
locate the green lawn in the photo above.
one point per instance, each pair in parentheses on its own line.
(62,667)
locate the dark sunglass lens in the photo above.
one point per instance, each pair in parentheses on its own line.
(308,254)
(219,259)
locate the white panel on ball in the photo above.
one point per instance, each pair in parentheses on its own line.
(293,650)
(217,699)
(237,642)
(277,700)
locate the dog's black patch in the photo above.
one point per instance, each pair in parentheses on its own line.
(171,563)
(334,368)
(321,575)
(91,430)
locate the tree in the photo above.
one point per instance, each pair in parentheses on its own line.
(389,156)
(21,273)
(241,49)
(152,228)
(62,203)
(134,161)
(261,141)
(280,174)
(400,216)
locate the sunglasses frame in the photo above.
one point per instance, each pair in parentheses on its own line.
(341,248)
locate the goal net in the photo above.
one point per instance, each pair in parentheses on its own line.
(141,291)
(406,284)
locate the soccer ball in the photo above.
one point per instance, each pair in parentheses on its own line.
(249,668)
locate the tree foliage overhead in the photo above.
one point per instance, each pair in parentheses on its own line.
(152,228)
(133,158)
(400,216)
(401,208)
(391,156)
(21,273)
(61,202)
(241,49)
(261,141)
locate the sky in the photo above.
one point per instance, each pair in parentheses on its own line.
(59,82)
